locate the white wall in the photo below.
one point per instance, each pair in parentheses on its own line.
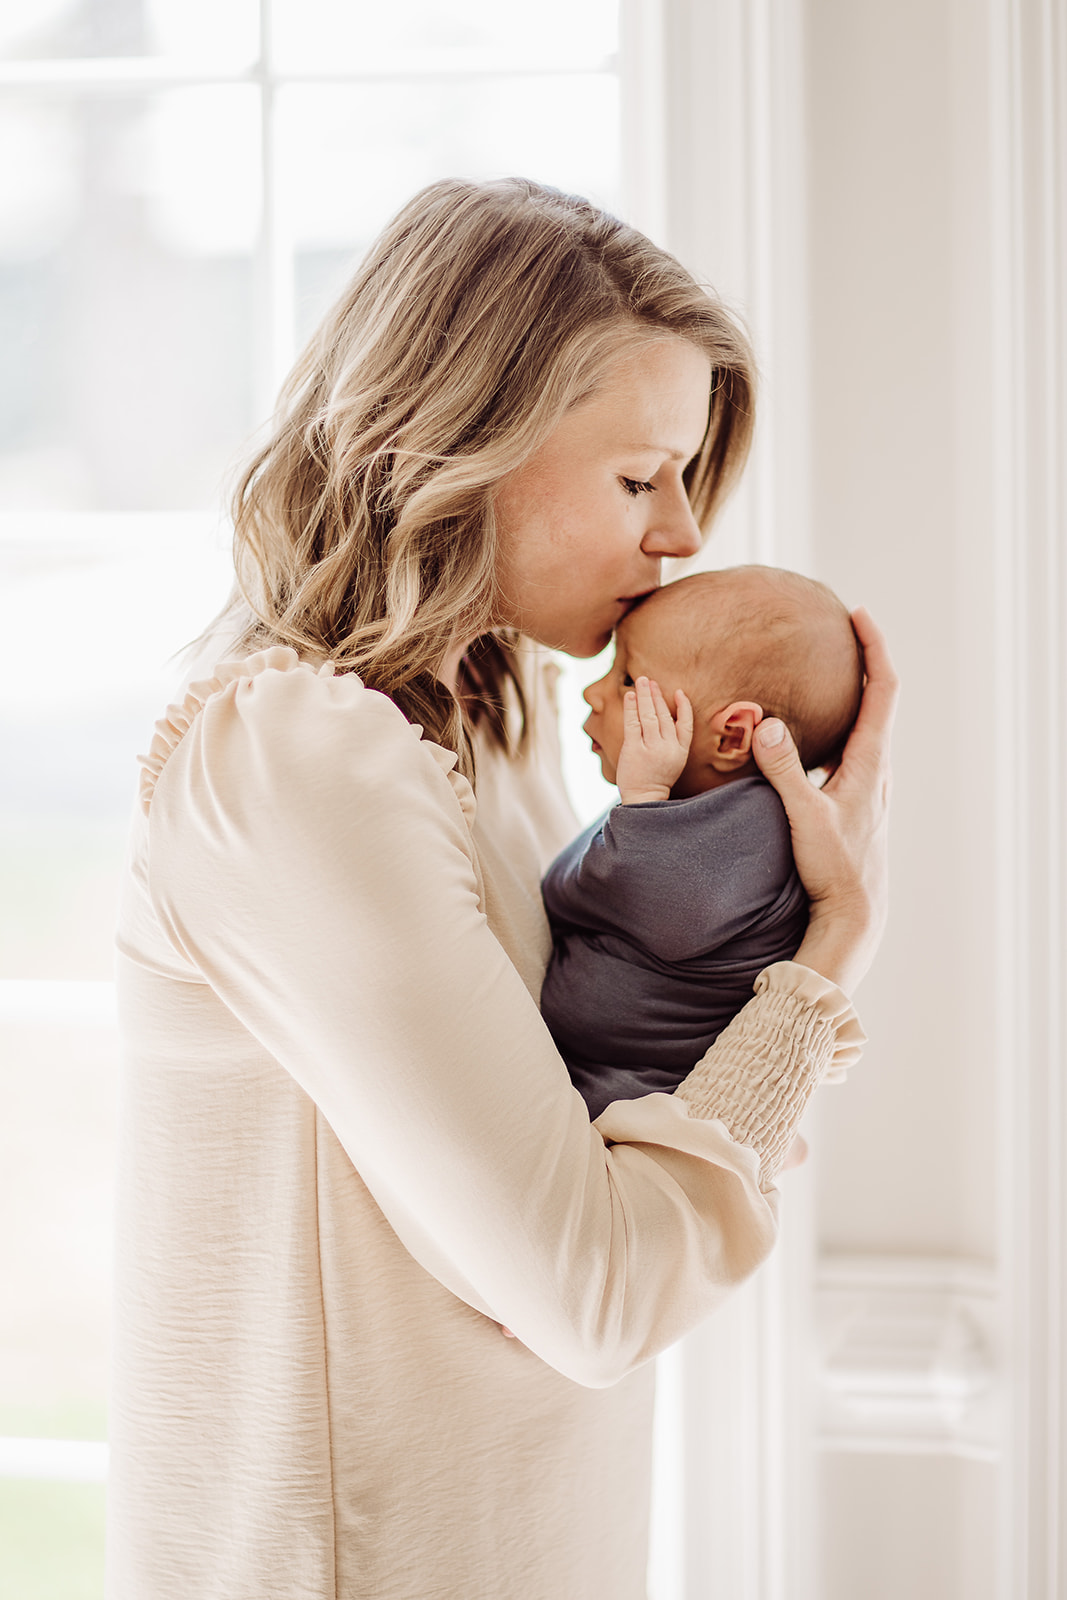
(881,187)
(936,216)
(899,232)
(902,509)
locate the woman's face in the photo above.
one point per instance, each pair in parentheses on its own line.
(586,522)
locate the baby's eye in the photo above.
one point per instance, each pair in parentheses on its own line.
(636,486)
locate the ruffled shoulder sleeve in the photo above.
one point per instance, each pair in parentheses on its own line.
(176,721)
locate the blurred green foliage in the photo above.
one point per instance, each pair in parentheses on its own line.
(51,1540)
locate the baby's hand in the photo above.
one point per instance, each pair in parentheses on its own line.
(655,744)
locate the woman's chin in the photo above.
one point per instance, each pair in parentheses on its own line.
(584,645)
(583,639)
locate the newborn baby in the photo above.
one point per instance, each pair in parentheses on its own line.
(665,911)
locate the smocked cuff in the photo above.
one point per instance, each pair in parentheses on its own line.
(798,1032)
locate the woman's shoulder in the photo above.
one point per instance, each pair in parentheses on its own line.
(272,711)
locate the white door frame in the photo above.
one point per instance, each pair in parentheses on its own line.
(1028,68)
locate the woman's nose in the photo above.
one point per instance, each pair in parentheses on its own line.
(592,695)
(675,531)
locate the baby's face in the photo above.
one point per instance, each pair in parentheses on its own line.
(640,651)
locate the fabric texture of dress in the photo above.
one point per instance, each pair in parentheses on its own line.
(349,1150)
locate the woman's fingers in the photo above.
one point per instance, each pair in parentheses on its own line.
(777,758)
(870,737)
(796,1155)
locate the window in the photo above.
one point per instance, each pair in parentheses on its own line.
(184,184)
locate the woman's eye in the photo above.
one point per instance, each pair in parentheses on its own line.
(627,681)
(636,486)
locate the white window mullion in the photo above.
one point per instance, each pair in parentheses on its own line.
(275,254)
(84,1003)
(59,1460)
(642,100)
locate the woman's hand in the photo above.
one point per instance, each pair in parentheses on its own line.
(839,831)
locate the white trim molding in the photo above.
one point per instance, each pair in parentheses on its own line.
(733,1509)
(85,1004)
(1028,69)
(910,1363)
(713,138)
(61,1460)
(735,215)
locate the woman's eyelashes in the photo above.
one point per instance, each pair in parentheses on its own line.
(636,486)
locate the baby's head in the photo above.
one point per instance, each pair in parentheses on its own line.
(742,643)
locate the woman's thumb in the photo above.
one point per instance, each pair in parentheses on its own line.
(776,755)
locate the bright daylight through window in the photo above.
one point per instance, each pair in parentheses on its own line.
(183,186)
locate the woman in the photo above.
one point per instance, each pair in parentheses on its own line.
(350,1149)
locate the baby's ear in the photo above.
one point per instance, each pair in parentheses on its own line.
(731,731)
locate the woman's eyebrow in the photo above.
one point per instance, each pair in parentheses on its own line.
(660,450)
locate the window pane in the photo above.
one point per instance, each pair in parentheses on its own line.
(57,1145)
(351,156)
(51,1540)
(117,597)
(127,229)
(216,31)
(121,596)
(446,34)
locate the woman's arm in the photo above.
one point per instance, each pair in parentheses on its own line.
(310,860)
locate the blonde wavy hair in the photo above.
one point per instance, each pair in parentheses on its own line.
(364,530)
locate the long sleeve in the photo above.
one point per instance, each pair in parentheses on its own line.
(310,859)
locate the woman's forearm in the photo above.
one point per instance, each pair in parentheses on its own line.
(840,947)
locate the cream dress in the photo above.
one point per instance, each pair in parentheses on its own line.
(350,1152)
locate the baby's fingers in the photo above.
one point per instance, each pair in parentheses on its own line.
(664,719)
(683,719)
(631,716)
(647,693)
